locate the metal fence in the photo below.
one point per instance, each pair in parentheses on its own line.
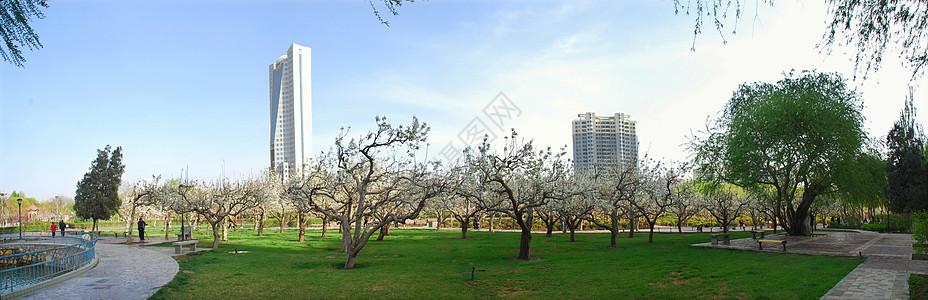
(47,257)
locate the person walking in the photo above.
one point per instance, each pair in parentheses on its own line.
(142,229)
(54,229)
(61,226)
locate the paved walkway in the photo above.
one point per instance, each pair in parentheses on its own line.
(884,275)
(124,272)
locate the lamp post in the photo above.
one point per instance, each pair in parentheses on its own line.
(57,209)
(19,203)
(2,207)
(184,187)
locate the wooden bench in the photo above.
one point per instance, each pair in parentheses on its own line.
(760,243)
(179,244)
(124,233)
(725,238)
(755,232)
(185,234)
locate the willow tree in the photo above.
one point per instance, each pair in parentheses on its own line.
(869,26)
(15,16)
(792,136)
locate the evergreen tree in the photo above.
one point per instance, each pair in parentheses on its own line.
(97,193)
(906,171)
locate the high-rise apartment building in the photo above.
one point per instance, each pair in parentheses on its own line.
(291,111)
(604,142)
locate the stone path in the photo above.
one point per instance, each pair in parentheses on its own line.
(124,272)
(884,275)
(886,272)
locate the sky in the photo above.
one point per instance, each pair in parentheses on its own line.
(183,85)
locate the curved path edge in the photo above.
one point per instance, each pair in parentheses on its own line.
(35,287)
(123,272)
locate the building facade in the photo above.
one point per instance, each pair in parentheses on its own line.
(600,143)
(291,111)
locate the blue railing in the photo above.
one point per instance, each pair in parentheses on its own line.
(48,257)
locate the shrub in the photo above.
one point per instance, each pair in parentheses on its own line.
(899,223)
(850,222)
(918,286)
(874,227)
(920,232)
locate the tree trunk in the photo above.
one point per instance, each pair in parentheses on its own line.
(464,229)
(491,223)
(129,226)
(255,224)
(351,257)
(225,229)
(325,224)
(799,223)
(549,227)
(572,230)
(612,234)
(261,219)
(280,220)
(384,231)
(301,220)
(525,244)
(167,224)
(613,231)
(216,238)
(631,228)
(651,232)
(92,228)
(346,236)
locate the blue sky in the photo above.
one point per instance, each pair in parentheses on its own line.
(184,83)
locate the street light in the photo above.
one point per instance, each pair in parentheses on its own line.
(2,204)
(185,187)
(57,209)
(19,202)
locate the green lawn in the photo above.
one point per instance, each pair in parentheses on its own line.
(417,264)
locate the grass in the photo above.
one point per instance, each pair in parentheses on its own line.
(428,264)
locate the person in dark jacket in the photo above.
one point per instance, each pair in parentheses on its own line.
(142,229)
(61,226)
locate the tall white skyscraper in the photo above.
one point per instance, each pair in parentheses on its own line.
(604,142)
(291,111)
